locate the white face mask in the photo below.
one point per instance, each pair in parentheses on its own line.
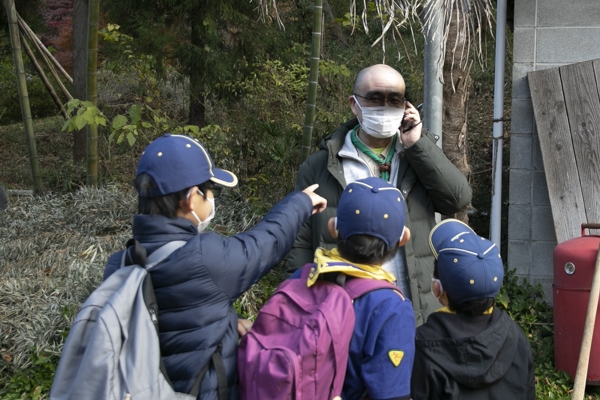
(380,122)
(202,225)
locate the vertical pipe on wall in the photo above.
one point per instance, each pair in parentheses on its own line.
(432,80)
(498,126)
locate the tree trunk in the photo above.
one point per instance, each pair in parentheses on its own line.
(92,94)
(80,26)
(457,84)
(197,87)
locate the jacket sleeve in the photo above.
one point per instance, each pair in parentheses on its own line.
(302,251)
(235,263)
(446,185)
(391,332)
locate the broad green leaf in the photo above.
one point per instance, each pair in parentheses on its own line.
(146,124)
(119,121)
(135,113)
(88,115)
(100,120)
(79,122)
(130,139)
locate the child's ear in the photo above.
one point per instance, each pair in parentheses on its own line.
(405,237)
(331,227)
(186,204)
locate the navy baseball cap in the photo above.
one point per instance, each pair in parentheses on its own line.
(178,162)
(469,266)
(371,206)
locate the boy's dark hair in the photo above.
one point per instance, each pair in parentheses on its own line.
(365,249)
(471,308)
(162,205)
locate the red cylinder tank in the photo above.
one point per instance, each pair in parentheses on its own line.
(574,262)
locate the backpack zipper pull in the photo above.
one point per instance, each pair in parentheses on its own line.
(153,316)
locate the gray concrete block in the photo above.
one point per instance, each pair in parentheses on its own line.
(552,13)
(519,256)
(540,196)
(520,87)
(542,260)
(524,45)
(521,119)
(520,187)
(520,151)
(546,283)
(537,160)
(519,222)
(542,224)
(524,13)
(559,45)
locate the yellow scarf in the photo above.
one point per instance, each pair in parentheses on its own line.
(449,311)
(330,261)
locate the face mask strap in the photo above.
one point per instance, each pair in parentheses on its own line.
(440,286)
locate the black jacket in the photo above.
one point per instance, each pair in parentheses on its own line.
(461,357)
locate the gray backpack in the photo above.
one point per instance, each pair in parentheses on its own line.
(112,350)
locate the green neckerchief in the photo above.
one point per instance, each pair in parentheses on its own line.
(384,165)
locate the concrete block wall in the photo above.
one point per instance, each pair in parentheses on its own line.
(547,34)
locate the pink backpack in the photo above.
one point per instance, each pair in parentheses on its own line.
(298,345)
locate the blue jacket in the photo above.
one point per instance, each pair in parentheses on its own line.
(196,286)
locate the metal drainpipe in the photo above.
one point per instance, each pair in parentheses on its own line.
(432,79)
(496,214)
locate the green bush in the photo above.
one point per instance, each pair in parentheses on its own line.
(10,108)
(524,303)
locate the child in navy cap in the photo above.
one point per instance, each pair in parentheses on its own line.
(469,349)
(196,285)
(370,228)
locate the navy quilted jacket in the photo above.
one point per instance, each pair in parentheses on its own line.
(196,286)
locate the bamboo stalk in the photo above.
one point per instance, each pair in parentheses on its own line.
(39,47)
(11,13)
(34,38)
(43,77)
(309,117)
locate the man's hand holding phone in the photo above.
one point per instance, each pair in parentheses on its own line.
(411,127)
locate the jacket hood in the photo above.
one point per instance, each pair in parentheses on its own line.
(338,135)
(478,353)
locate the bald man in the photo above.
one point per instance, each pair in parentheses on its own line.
(385,139)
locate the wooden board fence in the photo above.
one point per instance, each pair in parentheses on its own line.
(566,104)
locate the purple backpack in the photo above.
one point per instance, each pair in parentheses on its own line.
(298,345)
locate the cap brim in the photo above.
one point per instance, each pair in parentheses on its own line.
(445,230)
(223,177)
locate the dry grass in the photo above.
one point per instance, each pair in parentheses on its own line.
(53,253)
(54,249)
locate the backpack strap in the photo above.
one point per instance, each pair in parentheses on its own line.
(217,361)
(135,253)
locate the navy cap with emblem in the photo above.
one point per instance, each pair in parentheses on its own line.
(371,206)
(178,162)
(469,266)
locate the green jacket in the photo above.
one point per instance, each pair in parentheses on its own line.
(429,182)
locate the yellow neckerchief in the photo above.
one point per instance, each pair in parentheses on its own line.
(330,261)
(449,311)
